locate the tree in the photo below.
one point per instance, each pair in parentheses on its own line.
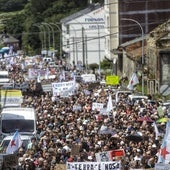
(106,64)
(93,66)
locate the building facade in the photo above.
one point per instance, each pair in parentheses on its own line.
(127,19)
(158,57)
(83,36)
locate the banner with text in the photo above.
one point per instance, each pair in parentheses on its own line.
(97,106)
(11,98)
(88,77)
(63,88)
(115,165)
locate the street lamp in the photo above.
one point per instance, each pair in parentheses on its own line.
(84,44)
(42,46)
(142,32)
(52,33)
(57,26)
(75,46)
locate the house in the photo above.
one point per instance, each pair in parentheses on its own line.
(9,41)
(83,36)
(131,56)
(158,57)
(126,18)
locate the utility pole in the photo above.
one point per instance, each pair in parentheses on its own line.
(86,53)
(99,51)
(83,47)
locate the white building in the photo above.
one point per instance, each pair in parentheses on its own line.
(84,34)
(112,27)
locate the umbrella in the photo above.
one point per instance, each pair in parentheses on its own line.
(145,118)
(162,120)
(5,48)
(134,137)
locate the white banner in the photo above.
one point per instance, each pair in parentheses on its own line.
(61,88)
(93,165)
(11,101)
(33,73)
(97,106)
(88,77)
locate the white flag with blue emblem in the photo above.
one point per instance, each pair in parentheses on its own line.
(14,144)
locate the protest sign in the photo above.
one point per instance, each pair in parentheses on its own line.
(63,88)
(112,80)
(75,149)
(102,156)
(77,107)
(109,155)
(88,77)
(116,153)
(60,167)
(97,106)
(10,160)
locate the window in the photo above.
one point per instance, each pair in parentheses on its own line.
(68,29)
(10,126)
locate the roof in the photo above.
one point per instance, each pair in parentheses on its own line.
(10,39)
(133,41)
(22,113)
(92,7)
(133,47)
(136,52)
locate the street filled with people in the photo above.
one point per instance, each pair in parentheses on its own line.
(71,128)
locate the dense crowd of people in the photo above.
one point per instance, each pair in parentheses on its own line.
(66,133)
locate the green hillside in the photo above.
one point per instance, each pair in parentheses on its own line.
(19,17)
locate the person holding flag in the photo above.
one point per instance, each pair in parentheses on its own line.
(14,144)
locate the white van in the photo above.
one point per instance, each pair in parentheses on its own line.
(134,97)
(4,77)
(17,118)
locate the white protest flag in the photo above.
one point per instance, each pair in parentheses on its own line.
(73,87)
(64,75)
(167,133)
(47,73)
(133,81)
(14,144)
(38,78)
(109,104)
(156,130)
(164,152)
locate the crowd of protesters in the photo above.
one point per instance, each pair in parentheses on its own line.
(60,127)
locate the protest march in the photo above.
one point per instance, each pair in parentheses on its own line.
(84,125)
